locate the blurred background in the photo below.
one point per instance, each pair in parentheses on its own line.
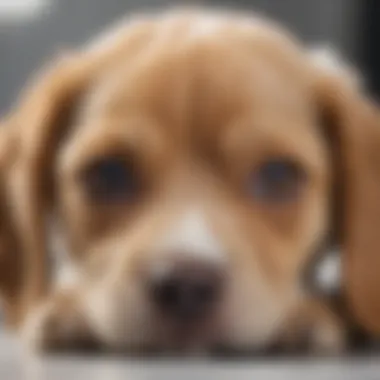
(33,30)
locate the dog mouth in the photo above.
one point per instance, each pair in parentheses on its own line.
(206,338)
(183,336)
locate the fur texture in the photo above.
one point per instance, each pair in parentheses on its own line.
(198,99)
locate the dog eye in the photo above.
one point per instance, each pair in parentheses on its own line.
(112,179)
(277,180)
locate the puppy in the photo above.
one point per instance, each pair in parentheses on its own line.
(191,164)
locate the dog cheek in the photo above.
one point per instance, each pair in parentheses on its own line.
(254,311)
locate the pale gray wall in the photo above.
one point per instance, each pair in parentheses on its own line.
(23,47)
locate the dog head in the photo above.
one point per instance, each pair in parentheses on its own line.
(193,163)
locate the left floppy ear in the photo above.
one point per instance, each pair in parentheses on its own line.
(351,124)
(39,122)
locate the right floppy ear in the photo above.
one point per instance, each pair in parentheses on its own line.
(10,253)
(39,122)
(352,128)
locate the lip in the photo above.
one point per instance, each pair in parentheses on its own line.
(189,337)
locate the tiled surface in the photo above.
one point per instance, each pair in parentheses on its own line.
(15,365)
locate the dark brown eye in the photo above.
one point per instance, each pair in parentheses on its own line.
(111,179)
(277,180)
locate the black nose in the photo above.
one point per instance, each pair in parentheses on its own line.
(188,292)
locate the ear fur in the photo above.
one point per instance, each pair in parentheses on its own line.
(352,127)
(39,121)
(11,269)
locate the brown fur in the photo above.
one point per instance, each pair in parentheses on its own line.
(11,264)
(198,112)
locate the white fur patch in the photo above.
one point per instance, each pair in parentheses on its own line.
(192,236)
(328,273)
(65,273)
(329,60)
(66,277)
(205,26)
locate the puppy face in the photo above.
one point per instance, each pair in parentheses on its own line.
(191,184)
(205,158)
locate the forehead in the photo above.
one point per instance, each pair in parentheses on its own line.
(198,75)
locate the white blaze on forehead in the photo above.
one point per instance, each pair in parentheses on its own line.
(206,25)
(198,24)
(202,25)
(190,235)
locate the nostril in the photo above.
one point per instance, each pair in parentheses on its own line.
(167,293)
(187,293)
(204,292)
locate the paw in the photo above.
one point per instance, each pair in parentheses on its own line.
(47,329)
(314,330)
(326,337)
(55,326)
